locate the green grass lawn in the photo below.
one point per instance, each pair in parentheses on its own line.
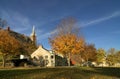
(60,73)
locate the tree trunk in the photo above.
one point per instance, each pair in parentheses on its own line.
(87,63)
(68,59)
(3,58)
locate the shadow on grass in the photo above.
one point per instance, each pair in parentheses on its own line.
(85,73)
(61,73)
(109,71)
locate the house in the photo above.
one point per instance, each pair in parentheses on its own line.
(43,57)
(46,58)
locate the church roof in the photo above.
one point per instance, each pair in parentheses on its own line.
(21,37)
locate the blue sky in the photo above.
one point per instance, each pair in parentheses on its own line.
(99,19)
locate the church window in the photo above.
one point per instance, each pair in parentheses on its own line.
(46,57)
(52,57)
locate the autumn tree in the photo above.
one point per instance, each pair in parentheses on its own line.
(89,53)
(111,56)
(112,51)
(101,55)
(67,40)
(8,45)
(118,56)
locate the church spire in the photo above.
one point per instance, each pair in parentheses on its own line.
(33,35)
(33,31)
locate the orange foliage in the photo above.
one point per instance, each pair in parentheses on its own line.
(67,43)
(67,40)
(8,44)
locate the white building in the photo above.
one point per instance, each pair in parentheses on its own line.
(43,57)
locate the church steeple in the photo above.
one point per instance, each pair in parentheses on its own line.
(33,31)
(33,35)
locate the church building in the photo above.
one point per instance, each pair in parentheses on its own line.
(41,56)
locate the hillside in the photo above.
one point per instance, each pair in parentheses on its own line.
(23,39)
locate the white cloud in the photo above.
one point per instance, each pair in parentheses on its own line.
(22,24)
(46,35)
(105,18)
(16,21)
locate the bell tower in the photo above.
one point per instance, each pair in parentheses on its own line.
(33,35)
